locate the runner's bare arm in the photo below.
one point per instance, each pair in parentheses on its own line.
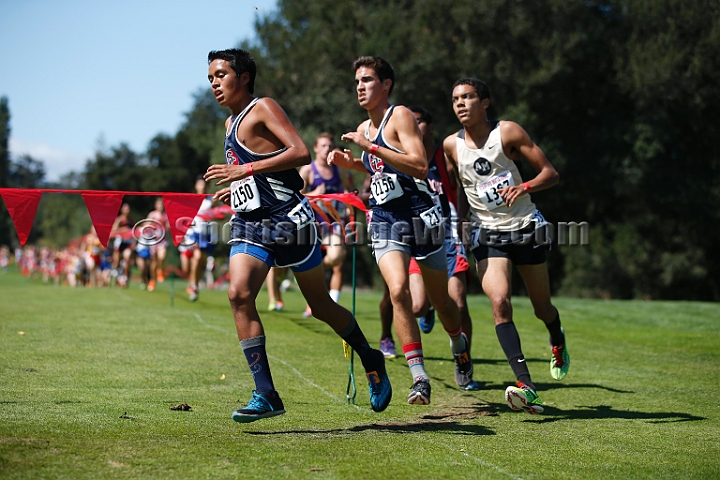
(403,125)
(450,151)
(517,145)
(345,158)
(270,115)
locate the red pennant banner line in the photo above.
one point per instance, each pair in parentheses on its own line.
(22,206)
(103,207)
(98,192)
(318,211)
(347,198)
(181,211)
(217,213)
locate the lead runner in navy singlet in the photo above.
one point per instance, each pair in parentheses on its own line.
(393,153)
(262,150)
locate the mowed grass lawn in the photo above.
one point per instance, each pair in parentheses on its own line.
(87,377)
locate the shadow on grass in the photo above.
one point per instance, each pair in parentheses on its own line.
(597,412)
(541,387)
(476,361)
(557,386)
(397,427)
(488,361)
(449,420)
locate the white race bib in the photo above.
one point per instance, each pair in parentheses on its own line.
(302,214)
(432,217)
(385,187)
(244,195)
(488,190)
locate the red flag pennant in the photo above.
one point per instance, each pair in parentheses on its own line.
(103,209)
(346,198)
(181,209)
(22,204)
(217,213)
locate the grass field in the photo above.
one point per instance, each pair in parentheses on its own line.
(88,376)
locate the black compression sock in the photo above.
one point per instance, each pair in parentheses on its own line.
(557,337)
(510,343)
(354,337)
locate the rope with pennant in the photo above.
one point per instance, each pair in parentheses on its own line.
(104,206)
(181,208)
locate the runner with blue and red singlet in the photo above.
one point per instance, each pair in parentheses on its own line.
(273,225)
(443,189)
(403,214)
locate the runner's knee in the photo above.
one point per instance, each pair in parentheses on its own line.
(240,296)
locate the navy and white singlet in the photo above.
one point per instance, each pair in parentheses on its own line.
(399,199)
(392,190)
(277,188)
(270,211)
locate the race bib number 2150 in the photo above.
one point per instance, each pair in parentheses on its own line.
(244,195)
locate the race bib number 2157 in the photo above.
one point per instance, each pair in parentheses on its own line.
(302,214)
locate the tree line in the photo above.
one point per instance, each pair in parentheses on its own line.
(623,97)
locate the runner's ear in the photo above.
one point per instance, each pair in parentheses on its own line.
(244,78)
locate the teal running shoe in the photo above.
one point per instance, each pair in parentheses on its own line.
(259,406)
(379,386)
(523,397)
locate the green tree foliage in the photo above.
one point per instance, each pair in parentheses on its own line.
(621,95)
(177,161)
(60,218)
(26,172)
(4,140)
(120,168)
(5,223)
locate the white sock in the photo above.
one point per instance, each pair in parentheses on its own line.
(335,295)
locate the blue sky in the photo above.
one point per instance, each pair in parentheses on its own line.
(76,71)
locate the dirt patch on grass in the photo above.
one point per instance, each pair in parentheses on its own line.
(448,414)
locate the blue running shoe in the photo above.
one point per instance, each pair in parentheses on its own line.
(427,321)
(259,406)
(379,385)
